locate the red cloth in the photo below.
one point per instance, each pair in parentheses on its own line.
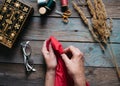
(62,77)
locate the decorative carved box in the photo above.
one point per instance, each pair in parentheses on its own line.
(13,15)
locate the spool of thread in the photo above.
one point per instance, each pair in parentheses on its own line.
(41,6)
(51,4)
(41,3)
(45,7)
(42,10)
(64,4)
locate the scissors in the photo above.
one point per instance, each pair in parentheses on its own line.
(64,15)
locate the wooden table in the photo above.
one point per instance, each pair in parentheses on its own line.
(99,68)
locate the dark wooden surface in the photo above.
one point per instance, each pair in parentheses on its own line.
(99,68)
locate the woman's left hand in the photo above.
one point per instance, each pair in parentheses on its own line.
(49,57)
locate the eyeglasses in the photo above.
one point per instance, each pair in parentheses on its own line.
(26,49)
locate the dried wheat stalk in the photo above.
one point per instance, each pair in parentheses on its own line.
(80,12)
(91,8)
(100,26)
(85,20)
(114,61)
(100,30)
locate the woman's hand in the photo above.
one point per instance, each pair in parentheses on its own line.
(51,63)
(49,57)
(73,59)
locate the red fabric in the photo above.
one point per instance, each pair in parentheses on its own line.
(62,78)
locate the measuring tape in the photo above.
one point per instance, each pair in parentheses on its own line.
(46,6)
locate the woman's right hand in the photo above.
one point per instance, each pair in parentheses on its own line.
(74,62)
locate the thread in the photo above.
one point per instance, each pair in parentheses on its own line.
(50,5)
(41,2)
(64,5)
(46,6)
(42,10)
(64,2)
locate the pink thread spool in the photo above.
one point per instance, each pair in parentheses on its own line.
(64,5)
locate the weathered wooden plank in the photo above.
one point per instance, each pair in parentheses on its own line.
(74,33)
(75,30)
(112,8)
(92,51)
(13,75)
(102,76)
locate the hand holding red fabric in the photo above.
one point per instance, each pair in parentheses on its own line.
(62,78)
(49,56)
(75,65)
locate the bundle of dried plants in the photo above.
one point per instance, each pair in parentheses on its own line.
(100,29)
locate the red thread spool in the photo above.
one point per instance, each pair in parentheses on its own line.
(64,4)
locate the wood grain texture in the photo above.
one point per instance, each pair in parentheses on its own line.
(14,75)
(75,30)
(93,54)
(112,8)
(74,33)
